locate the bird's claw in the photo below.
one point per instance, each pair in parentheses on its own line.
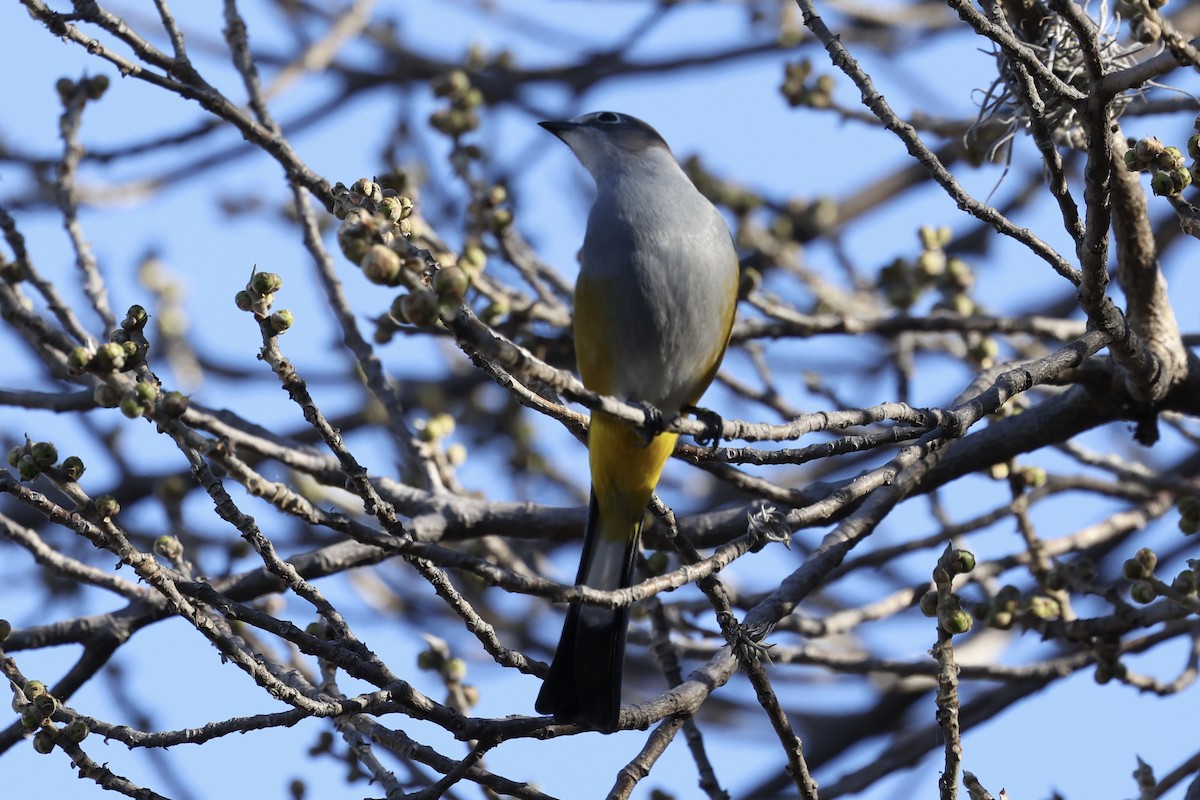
(712,421)
(654,424)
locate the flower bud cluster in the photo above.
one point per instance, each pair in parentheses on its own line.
(90,88)
(459,116)
(33,458)
(951,616)
(1169,171)
(798,90)
(37,708)
(125,349)
(259,295)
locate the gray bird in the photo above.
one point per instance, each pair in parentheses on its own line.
(654,306)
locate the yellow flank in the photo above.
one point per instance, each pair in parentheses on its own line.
(593,323)
(624,472)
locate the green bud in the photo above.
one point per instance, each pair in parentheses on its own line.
(365,189)
(45,453)
(31,718)
(168,547)
(428,660)
(352,240)
(281,320)
(931,262)
(929,237)
(1045,608)
(79,358)
(131,406)
(1148,149)
(72,468)
(1132,163)
(5,629)
(243,300)
(455,669)
(385,330)
(499,219)
(958,274)
(46,705)
(27,468)
(955,621)
(390,207)
(494,312)
(1008,597)
(1133,569)
(1147,558)
(33,690)
(438,427)
(174,404)
(1189,524)
(109,357)
(1103,673)
(406,206)
(265,283)
(107,506)
(474,258)
(1000,619)
(928,604)
(1181,178)
(65,88)
(1169,158)
(77,731)
(43,741)
(131,348)
(95,86)
(14,455)
(419,307)
(1193,146)
(658,562)
(1034,476)
(146,392)
(450,284)
(1143,592)
(106,396)
(451,84)
(961,562)
(381,265)
(135,318)
(1162,184)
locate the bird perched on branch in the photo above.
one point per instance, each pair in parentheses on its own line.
(654,306)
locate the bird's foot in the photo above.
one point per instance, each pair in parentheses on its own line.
(712,421)
(653,425)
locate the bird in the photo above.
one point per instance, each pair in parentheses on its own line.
(654,308)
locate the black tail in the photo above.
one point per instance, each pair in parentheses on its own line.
(585,676)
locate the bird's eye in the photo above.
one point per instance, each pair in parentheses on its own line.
(608,117)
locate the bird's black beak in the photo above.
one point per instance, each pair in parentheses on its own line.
(559,126)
